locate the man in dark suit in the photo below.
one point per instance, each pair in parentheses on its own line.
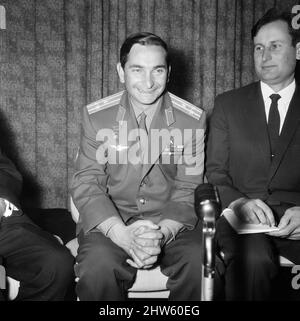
(253,158)
(135,196)
(30,255)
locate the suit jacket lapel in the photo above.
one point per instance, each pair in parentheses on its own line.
(288,130)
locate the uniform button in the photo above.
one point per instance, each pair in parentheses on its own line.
(272,155)
(142,201)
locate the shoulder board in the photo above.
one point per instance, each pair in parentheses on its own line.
(104,103)
(186,107)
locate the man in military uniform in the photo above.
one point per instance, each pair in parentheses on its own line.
(141,157)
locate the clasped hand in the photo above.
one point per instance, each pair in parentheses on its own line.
(140,240)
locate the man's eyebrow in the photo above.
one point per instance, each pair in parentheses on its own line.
(140,66)
(160,66)
(135,66)
(273,41)
(277,40)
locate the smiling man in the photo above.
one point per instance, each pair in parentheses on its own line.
(253,158)
(137,211)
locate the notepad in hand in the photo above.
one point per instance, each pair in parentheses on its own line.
(246,228)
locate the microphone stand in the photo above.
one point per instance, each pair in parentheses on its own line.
(208,244)
(2,276)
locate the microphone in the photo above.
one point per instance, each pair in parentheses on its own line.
(207,202)
(208,208)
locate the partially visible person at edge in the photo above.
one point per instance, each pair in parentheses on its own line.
(29,254)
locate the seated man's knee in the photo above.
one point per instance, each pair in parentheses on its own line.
(60,264)
(256,255)
(191,260)
(257,261)
(92,261)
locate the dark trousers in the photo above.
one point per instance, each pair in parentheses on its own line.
(251,261)
(34,257)
(104,274)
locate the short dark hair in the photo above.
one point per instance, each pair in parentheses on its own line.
(272,15)
(144,39)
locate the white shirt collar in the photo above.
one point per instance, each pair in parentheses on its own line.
(285,93)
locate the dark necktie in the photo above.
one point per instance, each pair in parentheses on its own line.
(142,122)
(274,122)
(143,138)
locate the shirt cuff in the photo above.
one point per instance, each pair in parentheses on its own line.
(106,225)
(172,228)
(227,210)
(9,208)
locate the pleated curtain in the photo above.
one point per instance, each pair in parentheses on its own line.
(58,55)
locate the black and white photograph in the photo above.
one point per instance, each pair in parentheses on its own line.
(149,153)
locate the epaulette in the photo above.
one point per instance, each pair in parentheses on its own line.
(104,103)
(186,107)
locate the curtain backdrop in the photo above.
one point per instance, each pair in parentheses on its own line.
(58,55)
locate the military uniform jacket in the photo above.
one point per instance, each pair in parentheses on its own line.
(110,180)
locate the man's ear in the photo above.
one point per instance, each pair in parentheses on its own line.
(298,51)
(120,73)
(169,72)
